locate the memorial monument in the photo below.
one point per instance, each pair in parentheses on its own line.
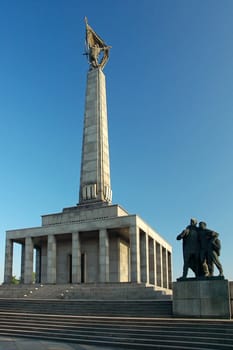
(95,241)
(203,295)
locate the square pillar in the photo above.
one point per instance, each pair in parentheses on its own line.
(8,261)
(38,265)
(103,256)
(165,267)
(76,258)
(169,263)
(28,265)
(144,257)
(161,264)
(51,259)
(159,275)
(152,261)
(135,254)
(22,262)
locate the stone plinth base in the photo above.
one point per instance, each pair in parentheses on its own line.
(201,298)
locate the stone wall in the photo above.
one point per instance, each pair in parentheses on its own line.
(124,261)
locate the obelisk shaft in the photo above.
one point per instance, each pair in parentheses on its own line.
(95,169)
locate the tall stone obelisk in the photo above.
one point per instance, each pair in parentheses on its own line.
(95,185)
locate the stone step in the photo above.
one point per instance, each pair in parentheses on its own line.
(125,333)
(137,308)
(85,291)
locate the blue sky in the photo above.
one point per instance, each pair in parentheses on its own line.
(170,108)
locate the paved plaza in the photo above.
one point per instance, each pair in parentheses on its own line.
(12,343)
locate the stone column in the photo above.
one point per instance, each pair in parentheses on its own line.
(76,258)
(161,264)
(135,254)
(155,262)
(164,267)
(159,274)
(38,265)
(152,261)
(144,257)
(103,256)
(28,267)
(22,262)
(8,261)
(51,259)
(169,259)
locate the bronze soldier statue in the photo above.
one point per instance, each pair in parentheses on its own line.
(96,49)
(190,248)
(201,250)
(211,251)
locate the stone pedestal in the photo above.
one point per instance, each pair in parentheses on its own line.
(207,298)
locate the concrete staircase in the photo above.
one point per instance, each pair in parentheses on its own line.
(130,321)
(117,308)
(123,333)
(100,291)
(120,300)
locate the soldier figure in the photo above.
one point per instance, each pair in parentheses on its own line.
(210,247)
(190,248)
(214,248)
(94,52)
(203,248)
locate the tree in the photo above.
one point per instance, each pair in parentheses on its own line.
(15,280)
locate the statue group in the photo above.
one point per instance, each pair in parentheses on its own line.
(201,250)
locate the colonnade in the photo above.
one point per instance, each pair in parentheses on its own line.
(150,261)
(27,255)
